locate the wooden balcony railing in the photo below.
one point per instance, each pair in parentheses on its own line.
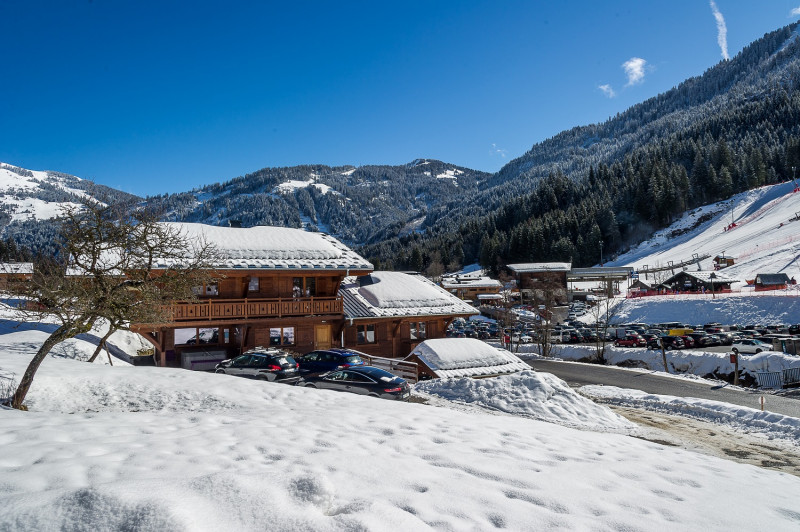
(227,309)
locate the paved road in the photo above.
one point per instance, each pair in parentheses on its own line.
(577,374)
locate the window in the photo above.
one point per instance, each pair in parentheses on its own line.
(417,330)
(366,334)
(252,286)
(196,336)
(210,289)
(281,336)
(304,287)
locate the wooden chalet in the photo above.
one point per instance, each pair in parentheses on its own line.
(11,272)
(277,286)
(534,279)
(300,291)
(389,313)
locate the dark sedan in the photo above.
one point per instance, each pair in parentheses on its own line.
(263,364)
(363,380)
(325,360)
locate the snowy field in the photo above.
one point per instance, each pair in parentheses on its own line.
(123,447)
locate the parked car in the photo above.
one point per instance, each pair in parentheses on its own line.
(688,341)
(322,361)
(363,380)
(701,339)
(725,338)
(588,335)
(265,364)
(519,338)
(751,346)
(631,340)
(670,342)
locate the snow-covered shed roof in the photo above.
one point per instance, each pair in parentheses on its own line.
(466,357)
(389,294)
(16,268)
(266,247)
(533,267)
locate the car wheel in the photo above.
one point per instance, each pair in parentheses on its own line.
(758,351)
(373,395)
(220,371)
(310,386)
(736,351)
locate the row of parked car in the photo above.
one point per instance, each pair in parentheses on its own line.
(680,336)
(330,369)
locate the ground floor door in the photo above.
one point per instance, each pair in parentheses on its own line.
(322,337)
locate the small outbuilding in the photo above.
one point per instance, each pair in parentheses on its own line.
(463,357)
(722,261)
(771,281)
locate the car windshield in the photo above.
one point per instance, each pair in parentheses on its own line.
(353,359)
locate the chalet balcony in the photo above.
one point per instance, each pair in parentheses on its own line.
(247,309)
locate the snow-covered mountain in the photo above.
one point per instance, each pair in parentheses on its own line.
(40,195)
(356,204)
(30,198)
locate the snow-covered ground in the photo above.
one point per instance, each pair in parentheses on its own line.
(125,447)
(748,420)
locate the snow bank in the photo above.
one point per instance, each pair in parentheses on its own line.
(688,361)
(739,417)
(528,393)
(466,357)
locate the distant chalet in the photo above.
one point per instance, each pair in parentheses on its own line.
(300,291)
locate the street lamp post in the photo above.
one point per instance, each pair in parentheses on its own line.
(712,277)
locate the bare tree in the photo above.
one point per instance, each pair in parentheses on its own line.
(545,297)
(604,313)
(115,264)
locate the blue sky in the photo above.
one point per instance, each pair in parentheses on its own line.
(154,97)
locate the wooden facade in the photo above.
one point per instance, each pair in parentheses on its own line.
(394,337)
(297,311)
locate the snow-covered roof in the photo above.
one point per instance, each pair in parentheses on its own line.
(532,267)
(470,282)
(16,268)
(705,277)
(266,247)
(466,357)
(386,294)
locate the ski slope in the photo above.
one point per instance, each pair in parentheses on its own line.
(765,240)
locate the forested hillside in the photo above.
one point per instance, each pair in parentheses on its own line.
(358,205)
(611,184)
